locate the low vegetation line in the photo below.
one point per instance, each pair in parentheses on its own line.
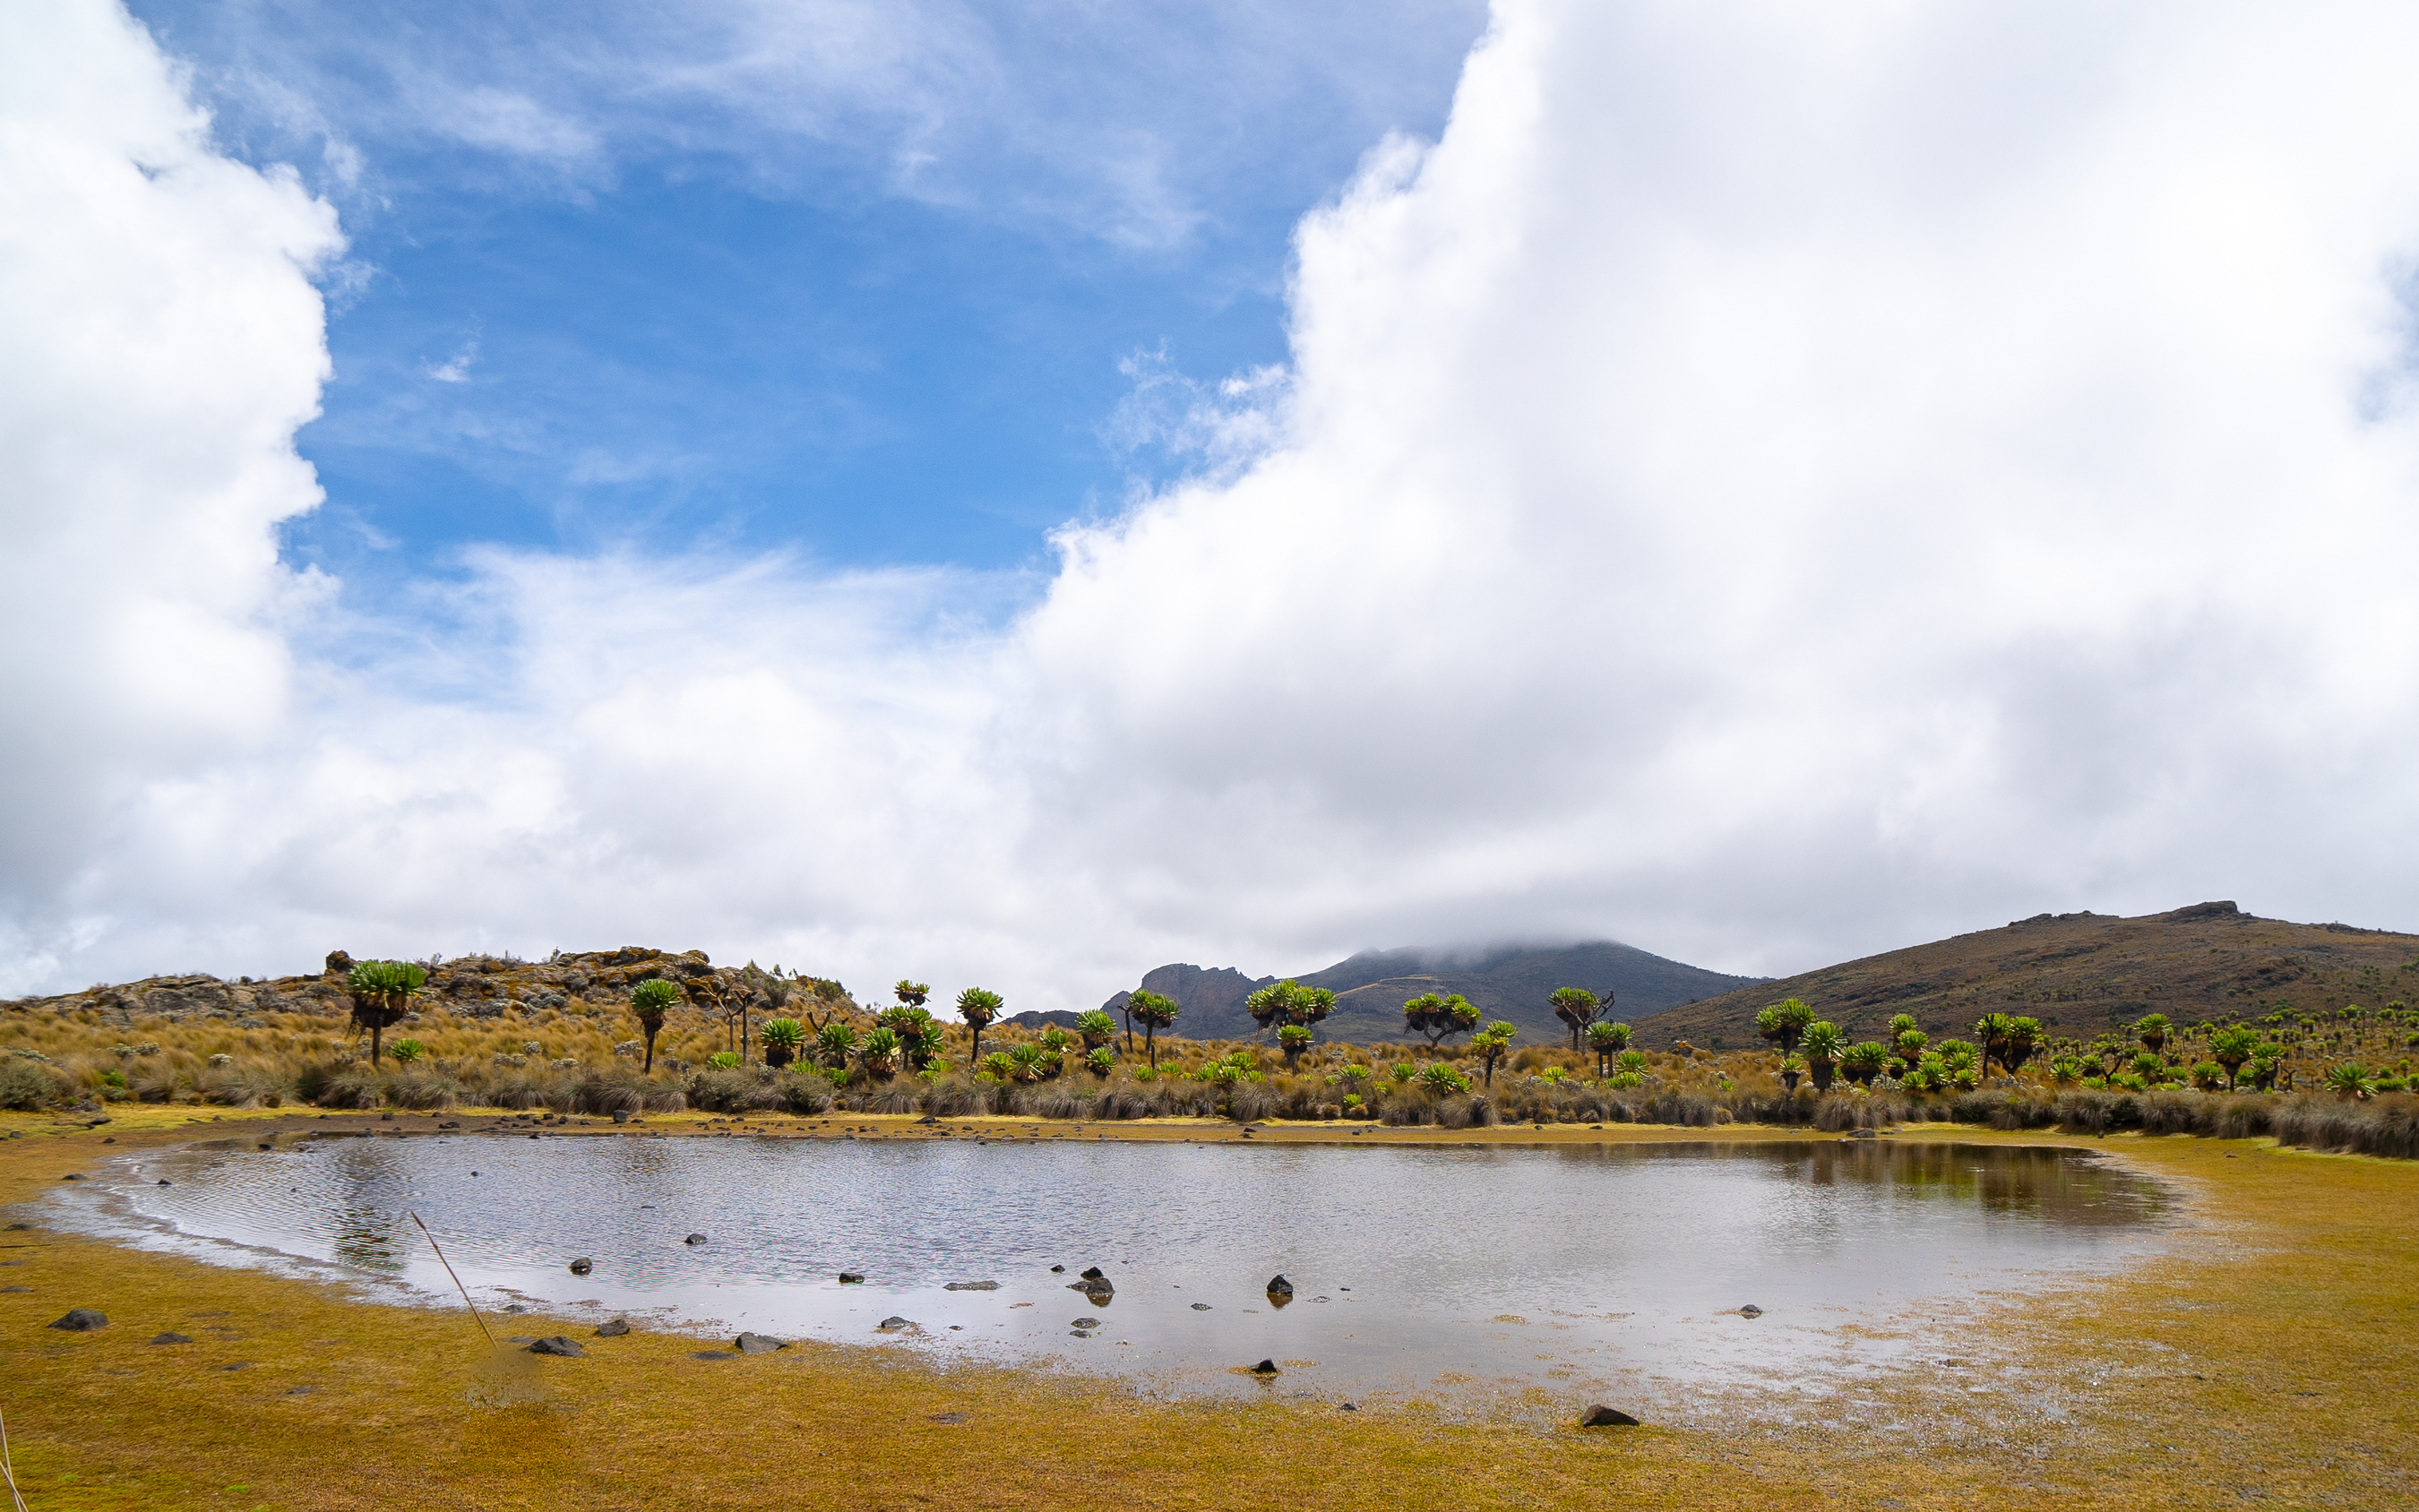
(635,1032)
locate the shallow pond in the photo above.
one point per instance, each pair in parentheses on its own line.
(1569,1267)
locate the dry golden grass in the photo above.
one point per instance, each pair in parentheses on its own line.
(2261,1359)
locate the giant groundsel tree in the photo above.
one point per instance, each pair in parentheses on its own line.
(651,1000)
(382,991)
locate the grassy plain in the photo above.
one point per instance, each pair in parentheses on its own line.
(2261,1360)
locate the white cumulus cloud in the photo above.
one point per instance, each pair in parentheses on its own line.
(1767,483)
(160,342)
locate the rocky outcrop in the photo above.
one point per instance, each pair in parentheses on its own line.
(473,987)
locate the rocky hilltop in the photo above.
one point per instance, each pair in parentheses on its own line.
(471,987)
(1505,982)
(2079,974)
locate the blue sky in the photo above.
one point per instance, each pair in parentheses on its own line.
(588,304)
(1767,484)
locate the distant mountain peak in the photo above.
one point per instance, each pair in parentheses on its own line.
(1508,981)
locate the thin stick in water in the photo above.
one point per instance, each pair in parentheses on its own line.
(457,1280)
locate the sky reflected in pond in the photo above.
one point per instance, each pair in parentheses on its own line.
(1568,1267)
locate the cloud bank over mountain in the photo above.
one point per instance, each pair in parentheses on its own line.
(1763,485)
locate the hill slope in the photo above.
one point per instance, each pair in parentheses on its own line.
(1506,982)
(2079,974)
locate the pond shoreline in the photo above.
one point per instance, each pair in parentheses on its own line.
(1820,1233)
(2182,1364)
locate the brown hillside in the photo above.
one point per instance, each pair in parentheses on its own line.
(2079,974)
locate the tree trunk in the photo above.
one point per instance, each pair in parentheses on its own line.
(1149,1041)
(973,1062)
(650,1050)
(378,1028)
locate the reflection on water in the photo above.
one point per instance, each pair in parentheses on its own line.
(1562,1265)
(364,1237)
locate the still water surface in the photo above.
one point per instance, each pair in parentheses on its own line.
(1570,1268)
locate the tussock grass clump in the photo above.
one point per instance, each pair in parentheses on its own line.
(26,1085)
(2388,1126)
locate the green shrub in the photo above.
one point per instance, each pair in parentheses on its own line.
(2349,1080)
(835,1042)
(880,1053)
(406,1051)
(27,1085)
(782,1039)
(723,1060)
